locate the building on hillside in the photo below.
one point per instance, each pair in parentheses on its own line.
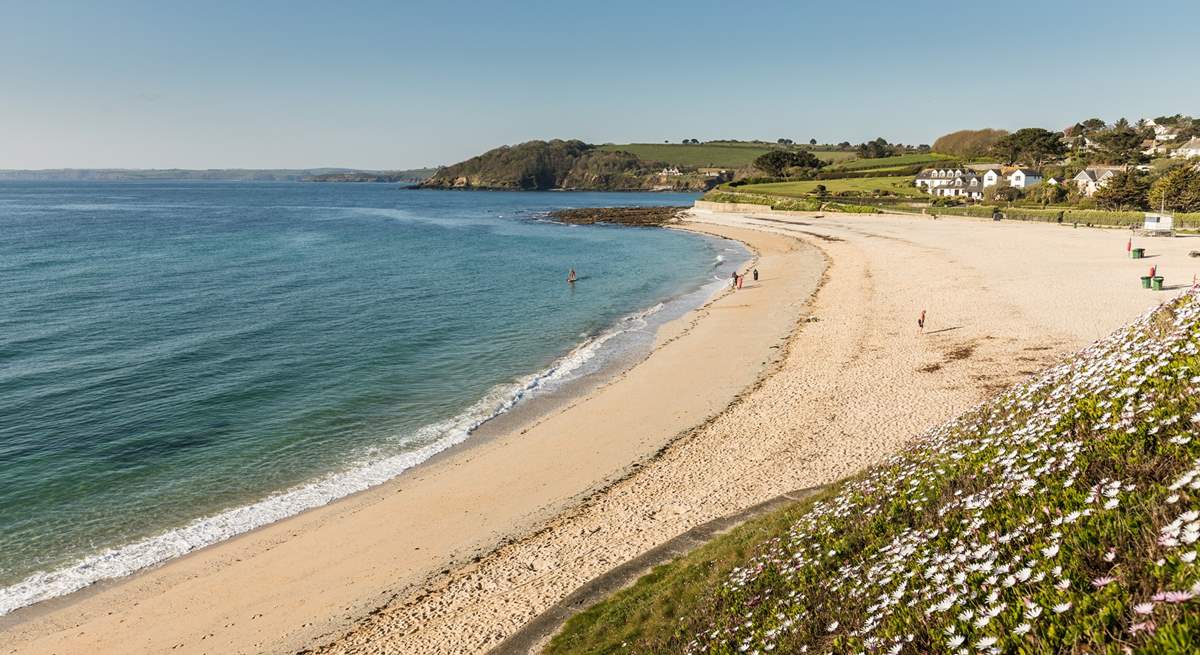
(1189,150)
(670,171)
(1091,180)
(1023,178)
(1163,132)
(1053,181)
(1151,147)
(968,185)
(713,172)
(931,178)
(991,177)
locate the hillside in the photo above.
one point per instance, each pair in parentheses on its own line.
(558,164)
(1061,516)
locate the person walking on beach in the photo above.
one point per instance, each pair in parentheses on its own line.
(733,279)
(921,321)
(741,279)
(756,275)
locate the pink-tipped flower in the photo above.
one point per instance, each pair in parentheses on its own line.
(1103,581)
(1178,596)
(1146,626)
(1143,608)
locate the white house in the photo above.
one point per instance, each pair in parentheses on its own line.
(1052,181)
(1189,150)
(991,177)
(670,172)
(1091,180)
(931,178)
(1023,178)
(967,185)
(1163,132)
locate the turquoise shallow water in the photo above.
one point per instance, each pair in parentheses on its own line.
(183,362)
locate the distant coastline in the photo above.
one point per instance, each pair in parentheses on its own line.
(415,175)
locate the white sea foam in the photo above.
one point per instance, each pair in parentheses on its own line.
(124,560)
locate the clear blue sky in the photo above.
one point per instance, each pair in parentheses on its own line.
(396,85)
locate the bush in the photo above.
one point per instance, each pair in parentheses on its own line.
(850,209)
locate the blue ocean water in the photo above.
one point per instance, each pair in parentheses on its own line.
(182,362)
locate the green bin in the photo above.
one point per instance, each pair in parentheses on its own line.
(1157,285)
(1137,253)
(1146,281)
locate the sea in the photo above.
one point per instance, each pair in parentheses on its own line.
(184,362)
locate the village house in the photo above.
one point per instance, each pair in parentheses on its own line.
(1162,132)
(931,178)
(967,185)
(671,171)
(1091,180)
(1189,150)
(991,177)
(1023,178)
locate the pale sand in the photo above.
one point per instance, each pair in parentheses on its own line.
(855,383)
(302,581)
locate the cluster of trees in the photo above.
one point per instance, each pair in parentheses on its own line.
(691,141)
(778,163)
(1176,190)
(880,147)
(876,149)
(1031,146)
(969,144)
(1094,141)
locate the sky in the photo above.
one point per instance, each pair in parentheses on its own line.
(392,85)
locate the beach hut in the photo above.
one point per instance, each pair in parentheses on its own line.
(1158,225)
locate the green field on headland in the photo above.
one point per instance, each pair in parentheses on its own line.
(1063,515)
(891,163)
(714,154)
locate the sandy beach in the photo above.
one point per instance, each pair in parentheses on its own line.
(809,375)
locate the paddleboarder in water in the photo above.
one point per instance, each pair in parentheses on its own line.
(571,277)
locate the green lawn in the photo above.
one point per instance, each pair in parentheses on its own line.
(865,185)
(892,162)
(1062,516)
(722,154)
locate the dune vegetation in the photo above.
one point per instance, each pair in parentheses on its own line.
(1063,515)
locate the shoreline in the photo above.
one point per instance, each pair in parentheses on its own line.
(30,625)
(857,381)
(519,405)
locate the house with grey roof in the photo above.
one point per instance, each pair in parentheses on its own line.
(1023,178)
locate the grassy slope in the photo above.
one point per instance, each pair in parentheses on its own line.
(714,154)
(1061,516)
(891,162)
(899,185)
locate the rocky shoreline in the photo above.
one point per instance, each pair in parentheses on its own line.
(634,216)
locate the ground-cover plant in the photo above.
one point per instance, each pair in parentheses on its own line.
(1062,516)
